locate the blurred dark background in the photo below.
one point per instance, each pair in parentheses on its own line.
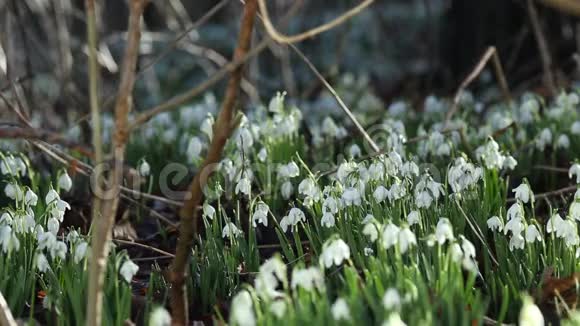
(406,48)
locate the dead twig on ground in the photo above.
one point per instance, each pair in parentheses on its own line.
(490,53)
(104,223)
(224,126)
(549,80)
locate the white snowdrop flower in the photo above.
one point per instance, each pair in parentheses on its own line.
(409,169)
(455,252)
(260,214)
(57,206)
(510,162)
(271,273)
(574,171)
(294,217)
(340,310)
(494,223)
(392,299)
(72,237)
(144,169)
(407,239)
(532,234)
(354,151)
(41,262)
(517,241)
(307,278)
(376,171)
(244,186)
(514,225)
(394,320)
(351,196)
(574,211)
(490,155)
(563,141)
(290,170)
(244,139)
(444,149)
(52,225)
(334,252)
(462,175)
(208,211)
(6,218)
(524,193)
(345,170)
(570,233)
(194,147)
(64,181)
(13,191)
(443,231)
(330,204)
(30,198)
(310,190)
(397,191)
(231,231)
(423,199)
(390,235)
(556,224)
(368,219)
(575,128)
(515,211)
(380,194)
(159,317)
(371,230)
(528,110)
(468,262)
(287,189)
(276,104)
(128,270)
(530,315)
(207,126)
(397,108)
(278,308)
(544,139)
(263,154)
(414,217)
(327,220)
(59,250)
(368,251)
(242,310)
(46,240)
(8,239)
(80,251)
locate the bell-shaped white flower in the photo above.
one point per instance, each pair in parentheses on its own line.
(334,252)
(392,299)
(208,211)
(271,276)
(530,315)
(13,191)
(556,224)
(294,217)
(160,317)
(407,239)
(263,154)
(515,225)
(517,241)
(231,231)
(494,223)
(128,270)
(307,278)
(390,235)
(394,319)
(414,217)
(351,196)
(532,234)
(380,194)
(327,220)
(41,262)
(371,230)
(194,147)
(443,231)
(524,193)
(260,214)
(242,310)
(64,181)
(8,239)
(287,189)
(575,171)
(340,310)
(144,169)
(80,251)
(30,198)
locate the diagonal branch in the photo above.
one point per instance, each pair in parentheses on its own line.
(223,128)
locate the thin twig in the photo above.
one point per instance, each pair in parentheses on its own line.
(475,228)
(38,134)
(343,106)
(104,224)
(289,39)
(142,245)
(550,168)
(225,124)
(545,55)
(569,7)
(490,53)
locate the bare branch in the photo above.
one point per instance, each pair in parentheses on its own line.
(223,128)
